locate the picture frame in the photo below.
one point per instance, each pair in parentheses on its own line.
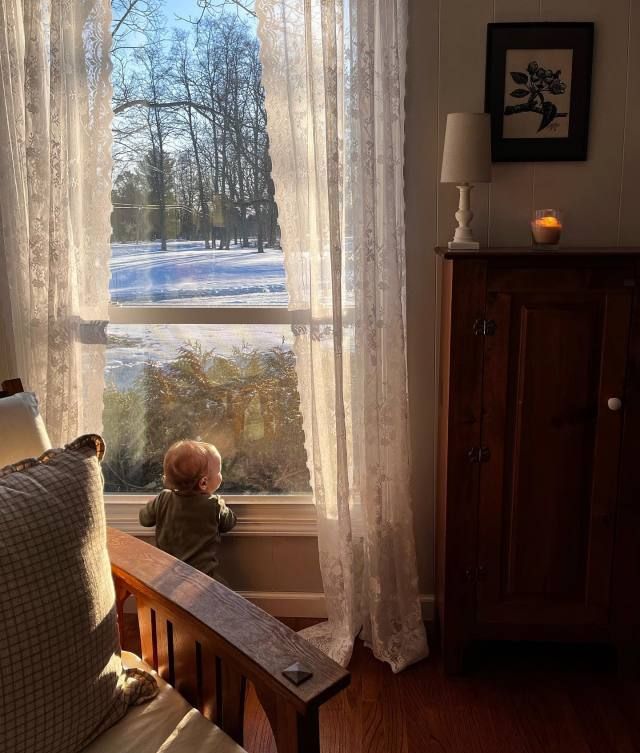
(538,90)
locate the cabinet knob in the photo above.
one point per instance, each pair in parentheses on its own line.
(614,403)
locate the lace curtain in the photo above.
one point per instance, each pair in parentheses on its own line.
(55,206)
(334,75)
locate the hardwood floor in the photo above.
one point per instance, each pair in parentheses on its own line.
(515,698)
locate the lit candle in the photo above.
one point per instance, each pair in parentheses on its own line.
(546,230)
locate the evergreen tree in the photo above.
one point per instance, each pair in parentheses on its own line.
(129,222)
(245,404)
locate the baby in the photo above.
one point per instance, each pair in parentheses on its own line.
(188,516)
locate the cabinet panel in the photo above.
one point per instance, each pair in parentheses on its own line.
(538,515)
(547,494)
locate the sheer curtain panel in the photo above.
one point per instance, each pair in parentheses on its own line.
(334,74)
(55,186)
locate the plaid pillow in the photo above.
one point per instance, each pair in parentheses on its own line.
(61,679)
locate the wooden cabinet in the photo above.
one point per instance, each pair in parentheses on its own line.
(538,521)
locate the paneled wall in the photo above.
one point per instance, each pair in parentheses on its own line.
(596,196)
(599,197)
(271,564)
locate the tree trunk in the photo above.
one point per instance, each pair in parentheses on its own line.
(259,228)
(272,223)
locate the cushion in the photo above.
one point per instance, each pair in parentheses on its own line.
(22,430)
(168,724)
(61,677)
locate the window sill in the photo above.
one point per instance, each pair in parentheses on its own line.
(267,515)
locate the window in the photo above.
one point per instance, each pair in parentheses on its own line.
(199,341)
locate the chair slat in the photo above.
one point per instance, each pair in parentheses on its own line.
(147,626)
(164,635)
(210,683)
(185,665)
(234,688)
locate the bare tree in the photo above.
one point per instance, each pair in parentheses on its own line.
(197,98)
(158,161)
(134,25)
(183,77)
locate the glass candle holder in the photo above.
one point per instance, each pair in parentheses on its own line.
(546,228)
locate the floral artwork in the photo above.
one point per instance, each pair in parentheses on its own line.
(538,90)
(537,84)
(537,94)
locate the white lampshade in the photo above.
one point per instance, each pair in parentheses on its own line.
(466,156)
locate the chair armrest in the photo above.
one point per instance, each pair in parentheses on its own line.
(10,387)
(183,612)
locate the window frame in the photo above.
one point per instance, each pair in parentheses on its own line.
(258,515)
(120,313)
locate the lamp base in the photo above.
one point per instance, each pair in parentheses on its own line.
(464,245)
(463,237)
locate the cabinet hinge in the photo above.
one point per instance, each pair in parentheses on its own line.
(484,327)
(478,454)
(473,575)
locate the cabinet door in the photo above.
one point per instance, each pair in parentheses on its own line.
(548,490)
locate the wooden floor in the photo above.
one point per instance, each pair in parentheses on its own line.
(514,699)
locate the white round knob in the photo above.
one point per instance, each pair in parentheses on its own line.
(614,403)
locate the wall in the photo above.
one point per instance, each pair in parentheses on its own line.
(287,563)
(447,40)
(279,573)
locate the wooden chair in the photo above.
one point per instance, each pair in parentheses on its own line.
(207,641)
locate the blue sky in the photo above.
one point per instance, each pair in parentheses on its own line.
(185,9)
(181,8)
(173,9)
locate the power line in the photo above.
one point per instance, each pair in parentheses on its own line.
(154,206)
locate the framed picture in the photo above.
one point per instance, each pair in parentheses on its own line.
(538,87)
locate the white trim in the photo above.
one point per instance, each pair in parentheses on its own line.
(303,603)
(232,499)
(153,314)
(257,516)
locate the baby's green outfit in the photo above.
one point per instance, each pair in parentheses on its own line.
(188,526)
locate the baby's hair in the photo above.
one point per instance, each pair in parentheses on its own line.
(185,463)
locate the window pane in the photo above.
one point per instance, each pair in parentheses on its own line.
(195,219)
(187,273)
(233,386)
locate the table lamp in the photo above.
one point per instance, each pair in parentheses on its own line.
(466,160)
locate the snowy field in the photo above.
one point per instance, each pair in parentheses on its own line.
(188,274)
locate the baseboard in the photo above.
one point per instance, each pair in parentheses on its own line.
(303,604)
(288,603)
(428,604)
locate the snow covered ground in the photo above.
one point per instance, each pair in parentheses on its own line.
(189,274)
(131,346)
